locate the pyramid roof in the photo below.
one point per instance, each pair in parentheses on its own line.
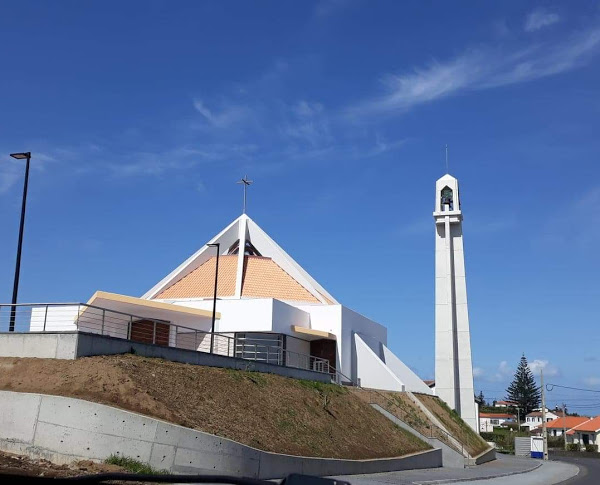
(261,270)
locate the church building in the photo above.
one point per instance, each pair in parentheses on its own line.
(241,295)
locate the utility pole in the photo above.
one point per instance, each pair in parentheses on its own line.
(544,429)
(565,424)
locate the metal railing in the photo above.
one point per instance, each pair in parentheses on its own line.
(427,429)
(61,317)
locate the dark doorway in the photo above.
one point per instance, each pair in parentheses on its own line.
(143,331)
(325,349)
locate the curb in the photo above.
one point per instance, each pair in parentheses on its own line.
(473,479)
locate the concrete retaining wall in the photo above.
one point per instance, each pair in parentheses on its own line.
(71,345)
(483,457)
(43,345)
(63,429)
(450,457)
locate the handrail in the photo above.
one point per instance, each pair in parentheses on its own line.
(430,426)
(115,323)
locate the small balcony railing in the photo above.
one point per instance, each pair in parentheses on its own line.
(65,317)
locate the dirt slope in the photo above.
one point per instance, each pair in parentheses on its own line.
(269,412)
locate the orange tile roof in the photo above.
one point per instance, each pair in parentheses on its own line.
(496,415)
(568,422)
(263,278)
(590,425)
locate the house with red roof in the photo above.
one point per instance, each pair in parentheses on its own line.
(487,421)
(586,433)
(557,426)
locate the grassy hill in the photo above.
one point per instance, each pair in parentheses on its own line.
(473,443)
(402,406)
(266,411)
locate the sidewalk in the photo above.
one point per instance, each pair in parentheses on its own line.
(522,471)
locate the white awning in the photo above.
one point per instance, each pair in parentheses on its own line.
(139,307)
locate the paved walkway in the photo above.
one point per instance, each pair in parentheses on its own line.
(522,471)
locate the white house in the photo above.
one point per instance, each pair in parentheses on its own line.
(267,305)
(586,433)
(557,426)
(487,421)
(534,419)
(505,404)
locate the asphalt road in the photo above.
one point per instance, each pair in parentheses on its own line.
(589,470)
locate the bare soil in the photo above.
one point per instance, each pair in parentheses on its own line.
(21,465)
(266,411)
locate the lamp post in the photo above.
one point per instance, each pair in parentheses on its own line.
(214,312)
(19,156)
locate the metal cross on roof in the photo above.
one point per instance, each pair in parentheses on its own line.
(246,183)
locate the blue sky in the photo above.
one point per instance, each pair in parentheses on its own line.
(142,115)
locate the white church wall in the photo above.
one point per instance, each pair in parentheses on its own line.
(245,315)
(373,334)
(284,316)
(411,380)
(371,370)
(328,318)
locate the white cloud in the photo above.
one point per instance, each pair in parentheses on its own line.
(307,108)
(504,368)
(478,69)
(540,18)
(549,370)
(478,372)
(592,381)
(224,117)
(11,170)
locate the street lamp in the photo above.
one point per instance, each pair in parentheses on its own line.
(19,156)
(214,312)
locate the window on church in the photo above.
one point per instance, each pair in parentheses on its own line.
(249,250)
(265,347)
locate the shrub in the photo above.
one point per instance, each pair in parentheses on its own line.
(556,442)
(488,436)
(573,447)
(592,448)
(133,466)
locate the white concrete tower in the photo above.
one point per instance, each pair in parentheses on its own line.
(453,365)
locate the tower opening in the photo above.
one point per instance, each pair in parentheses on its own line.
(447,198)
(249,250)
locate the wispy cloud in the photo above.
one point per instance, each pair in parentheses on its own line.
(592,381)
(540,18)
(13,170)
(478,69)
(223,117)
(538,365)
(577,224)
(500,374)
(156,163)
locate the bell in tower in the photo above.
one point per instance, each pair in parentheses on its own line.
(447,199)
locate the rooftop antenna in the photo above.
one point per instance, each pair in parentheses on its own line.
(246,183)
(447,169)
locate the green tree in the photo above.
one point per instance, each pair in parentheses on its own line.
(523,389)
(480,399)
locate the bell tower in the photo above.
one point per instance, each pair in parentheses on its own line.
(453,364)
